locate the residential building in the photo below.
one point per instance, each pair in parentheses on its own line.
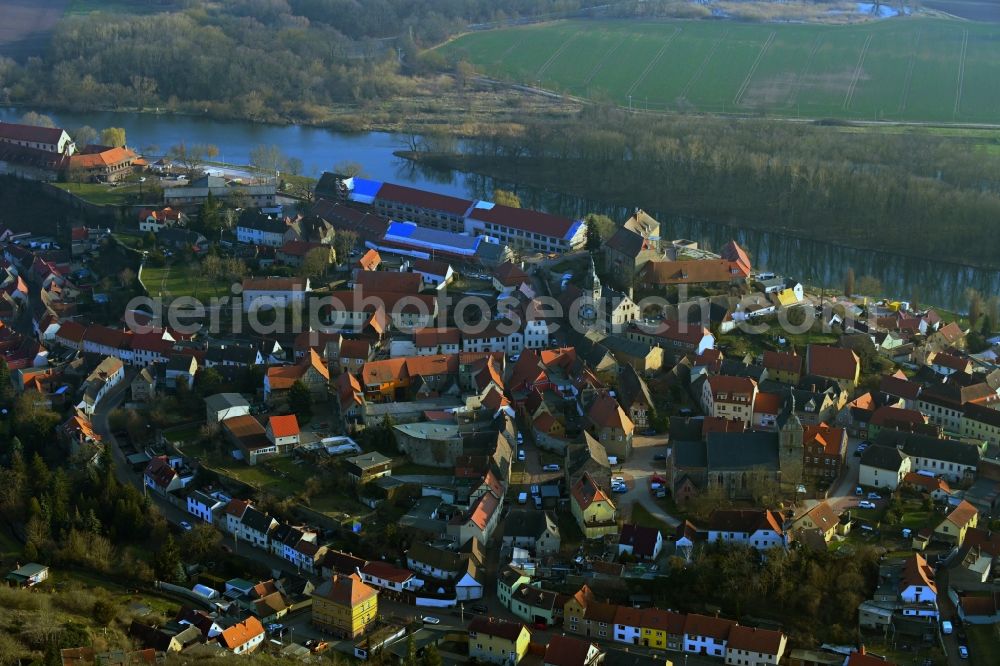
(751,646)
(143,387)
(497,641)
(784,367)
(883,467)
(344,606)
(245,522)
(707,635)
(729,397)
(953,528)
(154,220)
(823,451)
(644,543)
(268,293)
(367,467)
(593,509)
(387,577)
(660,629)
(28,575)
(243,637)
(945,403)
(916,582)
(310,370)
(839,364)
(981,423)
(656,274)
(950,459)
(180,369)
(247,433)
(821,518)
(108,374)
(203,506)
(283,432)
(569,651)
(533,530)
(611,425)
(760,528)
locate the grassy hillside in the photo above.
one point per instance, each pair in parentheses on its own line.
(903,69)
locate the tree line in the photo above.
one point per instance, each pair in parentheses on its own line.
(254,59)
(914,193)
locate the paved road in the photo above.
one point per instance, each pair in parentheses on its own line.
(637,471)
(174,515)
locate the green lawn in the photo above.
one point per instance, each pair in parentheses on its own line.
(901,69)
(642,517)
(99,193)
(175,280)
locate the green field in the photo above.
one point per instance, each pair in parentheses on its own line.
(175,280)
(901,69)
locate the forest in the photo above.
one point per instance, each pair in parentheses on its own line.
(915,193)
(262,60)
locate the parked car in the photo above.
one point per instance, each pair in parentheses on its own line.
(618,479)
(874,496)
(185,525)
(859,491)
(274,628)
(946,627)
(534,489)
(963,652)
(865,504)
(316,646)
(430,619)
(550,468)
(521,457)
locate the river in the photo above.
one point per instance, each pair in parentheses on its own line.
(814,262)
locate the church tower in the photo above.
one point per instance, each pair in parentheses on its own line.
(790,435)
(592,285)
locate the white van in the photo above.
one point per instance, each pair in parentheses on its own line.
(522,498)
(946,627)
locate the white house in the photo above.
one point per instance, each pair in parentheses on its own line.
(385,576)
(203,506)
(883,467)
(243,637)
(916,584)
(247,523)
(496,337)
(268,293)
(641,542)
(705,634)
(257,228)
(759,528)
(468,587)
(283,432)
(108,374)
(750,646)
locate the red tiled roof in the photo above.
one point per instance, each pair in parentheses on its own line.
(768,403)
(105,158)
(863,659)
(917,572)
(370,260)
(744,520)
(526,220)
(241,632)
(642,539)
(896,416)
(691,271)
(432,337)
(586,492)
(388,281)
(567,651)
(832,362)
(355,349)
(900,387)
(483,510)
(386,571)
(752,639)
(71,331)
(33,133)
(730,385)
(490,627)
(348,590)
(962,514)
(298,248)
(284,426)
(704,625)
(273,284)
(782,361)
(605,412)
(423,199)
(510,274)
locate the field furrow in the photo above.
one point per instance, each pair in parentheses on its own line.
(908,69)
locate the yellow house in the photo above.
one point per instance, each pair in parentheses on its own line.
(497,641)
(784,367)
(593,509)
(953,528)
(837,363)
(661,629)
(821,517)
(345,606)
